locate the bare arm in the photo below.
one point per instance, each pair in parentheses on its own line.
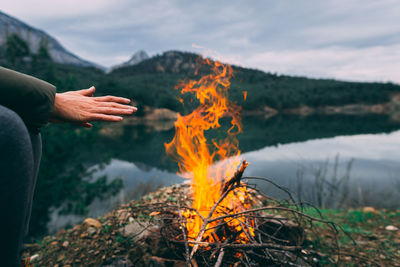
(81,107)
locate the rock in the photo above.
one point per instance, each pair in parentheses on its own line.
(162,262)
(91,231)
(65,244)
(154,213)
(34,258)
(60,257)
(391,228)
(83,235)
(134,229)
(122,215)
(369,209)
(92,222)
(54,243)
(117,262)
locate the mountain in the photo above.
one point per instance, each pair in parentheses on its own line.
(168,62)
(138,57)
(35,38)
(152,81)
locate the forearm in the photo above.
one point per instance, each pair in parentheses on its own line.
(31,98)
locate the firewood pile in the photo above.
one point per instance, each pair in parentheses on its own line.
(283,234)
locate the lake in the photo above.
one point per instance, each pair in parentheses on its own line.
(331,161)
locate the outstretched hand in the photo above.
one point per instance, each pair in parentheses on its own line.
(80,107)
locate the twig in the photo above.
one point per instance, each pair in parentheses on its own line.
(242,246)
(220,257)
(207,220)
(226,189)
(184,237)
(236,177)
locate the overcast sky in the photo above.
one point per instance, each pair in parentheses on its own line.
(346,39)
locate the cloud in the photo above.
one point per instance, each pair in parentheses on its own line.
(379,63)
(353,39)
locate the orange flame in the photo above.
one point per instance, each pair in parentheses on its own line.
(197,157)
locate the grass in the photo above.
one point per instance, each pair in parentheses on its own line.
(366,237)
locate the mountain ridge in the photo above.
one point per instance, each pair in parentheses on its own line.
(136,58)
(35,37)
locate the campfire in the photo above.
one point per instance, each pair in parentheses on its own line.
(226,220)
(197,158)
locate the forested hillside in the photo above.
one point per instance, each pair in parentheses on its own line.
(152,81)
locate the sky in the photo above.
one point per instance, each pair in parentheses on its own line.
(357,40)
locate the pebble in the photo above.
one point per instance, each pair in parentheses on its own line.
(34,257)
(134,229)
(60,257)
(65,244)
(369,209)
(391,228)
(90,222)
(91,231)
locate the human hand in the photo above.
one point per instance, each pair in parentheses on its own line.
(80,107)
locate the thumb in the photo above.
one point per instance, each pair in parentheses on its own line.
(87,92)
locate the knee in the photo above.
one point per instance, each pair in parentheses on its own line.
(13,131)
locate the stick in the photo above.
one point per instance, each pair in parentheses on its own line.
(185,238)
(220,257)
(236,177)
(227,188)
(206,221)
(243,246)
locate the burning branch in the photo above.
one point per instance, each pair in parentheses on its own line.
(207,220)
(236,177)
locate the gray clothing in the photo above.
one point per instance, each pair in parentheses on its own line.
(20,152)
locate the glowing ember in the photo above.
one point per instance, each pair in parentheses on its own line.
(209,163)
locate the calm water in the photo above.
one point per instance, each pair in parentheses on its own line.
(332,161)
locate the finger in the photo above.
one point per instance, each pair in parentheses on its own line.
(87,92)
(103,117)
(114,111)
(116,105)
(111,98)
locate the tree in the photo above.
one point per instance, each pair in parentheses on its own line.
(16,49)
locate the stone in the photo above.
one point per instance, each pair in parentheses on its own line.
(34,258)
(391,228)
(91,230)
(163,262)
(134,229)
(65,244)
(92,222)
(83,235)
(369,209)
(117,262)
(60,257)
(122,215)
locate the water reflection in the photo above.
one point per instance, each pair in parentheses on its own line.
(366,165)
(138,180)
(289,149)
